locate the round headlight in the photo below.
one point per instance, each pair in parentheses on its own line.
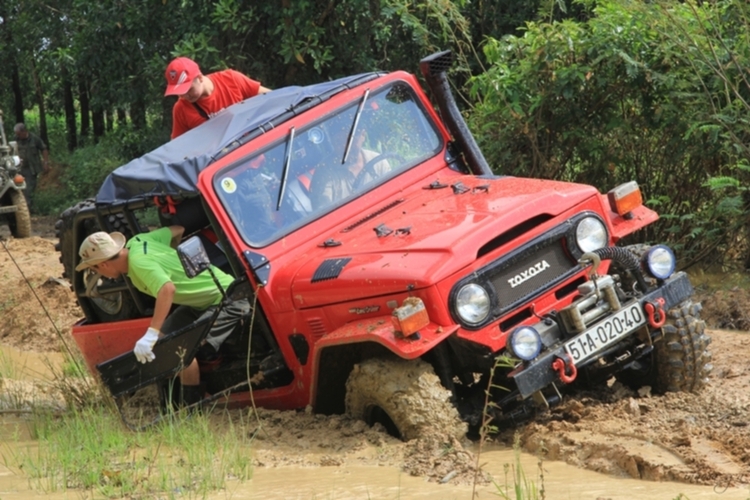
(525,343)
(591,234)
(660,261)
(472,303)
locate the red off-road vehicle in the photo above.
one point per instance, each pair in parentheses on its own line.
(390,293)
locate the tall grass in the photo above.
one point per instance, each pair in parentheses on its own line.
(517,486)
(90,449)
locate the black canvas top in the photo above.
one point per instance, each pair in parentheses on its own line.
(172,169)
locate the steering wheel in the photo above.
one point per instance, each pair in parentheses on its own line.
(369,169)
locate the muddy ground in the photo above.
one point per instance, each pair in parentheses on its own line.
(693,438)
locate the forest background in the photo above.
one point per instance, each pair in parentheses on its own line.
(600,92)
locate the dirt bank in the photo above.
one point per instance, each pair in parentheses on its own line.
(694,438)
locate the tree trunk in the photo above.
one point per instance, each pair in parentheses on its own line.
(70,110)
(97,121)
(40,103)
(7,37)
(166,114)
(138,113)
(109,120)
(122,117)
(83,99)
(17,92)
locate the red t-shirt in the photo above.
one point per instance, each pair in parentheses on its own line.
(230,87)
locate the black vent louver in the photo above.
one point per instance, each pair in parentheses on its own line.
(330,269)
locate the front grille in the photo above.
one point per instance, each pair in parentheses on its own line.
(525,273)
(529,274)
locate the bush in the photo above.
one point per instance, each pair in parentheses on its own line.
(631,93)
(78,175)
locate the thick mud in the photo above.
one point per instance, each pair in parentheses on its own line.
(702,439)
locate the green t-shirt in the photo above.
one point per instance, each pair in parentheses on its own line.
(152,263)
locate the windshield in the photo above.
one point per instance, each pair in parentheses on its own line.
(327,164)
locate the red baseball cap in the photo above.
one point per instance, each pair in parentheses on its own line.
(180,75)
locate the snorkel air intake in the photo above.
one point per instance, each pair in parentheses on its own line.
(434,68)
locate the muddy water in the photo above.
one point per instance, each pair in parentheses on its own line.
(350,480)
(561,481)
(26,365)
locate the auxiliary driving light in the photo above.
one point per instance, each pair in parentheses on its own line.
(525,343)
(472,303)
(660,261)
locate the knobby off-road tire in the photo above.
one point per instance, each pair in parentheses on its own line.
(112,307)
(20,222)
(405,395)
(682,359)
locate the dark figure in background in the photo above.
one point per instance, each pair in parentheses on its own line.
(34,158)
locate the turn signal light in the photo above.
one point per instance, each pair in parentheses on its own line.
(625,198)
(18,179)
(410,317)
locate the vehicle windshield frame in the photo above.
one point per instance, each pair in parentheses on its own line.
(381,134)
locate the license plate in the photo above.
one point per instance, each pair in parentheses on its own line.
(608,332)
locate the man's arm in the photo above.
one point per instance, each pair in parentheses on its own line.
(179,125)
(164,299)
(248,86)
(177,232)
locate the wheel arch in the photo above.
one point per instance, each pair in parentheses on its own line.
(337,352)
(333,366)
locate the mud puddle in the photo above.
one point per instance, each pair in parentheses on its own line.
(350,480)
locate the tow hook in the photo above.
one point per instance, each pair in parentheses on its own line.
(655,311)
(564,365)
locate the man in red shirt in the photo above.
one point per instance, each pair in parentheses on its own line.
(202,96)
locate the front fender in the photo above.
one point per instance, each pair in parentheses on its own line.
(380,330)
(639,218)
(348,345)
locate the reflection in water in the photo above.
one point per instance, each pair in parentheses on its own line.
(561,481)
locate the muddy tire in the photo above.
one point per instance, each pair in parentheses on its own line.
(405,396)
(20,222)
(682,358)
(111,307)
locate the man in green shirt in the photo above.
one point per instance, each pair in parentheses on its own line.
(34,158)
(152,264)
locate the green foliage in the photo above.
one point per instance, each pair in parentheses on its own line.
(91,450)
(83,171)
(636,91)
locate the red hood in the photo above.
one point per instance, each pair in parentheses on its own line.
(435,233)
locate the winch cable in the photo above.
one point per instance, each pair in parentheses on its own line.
(46,312)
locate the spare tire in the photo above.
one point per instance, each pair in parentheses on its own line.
(105,308)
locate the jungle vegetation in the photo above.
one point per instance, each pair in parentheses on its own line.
(599,92)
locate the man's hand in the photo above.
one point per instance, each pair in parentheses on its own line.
(143,347)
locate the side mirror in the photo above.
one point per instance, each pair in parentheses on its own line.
(193,256)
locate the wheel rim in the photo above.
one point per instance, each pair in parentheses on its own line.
(110,304)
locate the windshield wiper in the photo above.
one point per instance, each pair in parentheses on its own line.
(287,163)
(354,126)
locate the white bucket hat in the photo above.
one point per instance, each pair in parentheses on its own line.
(98,247)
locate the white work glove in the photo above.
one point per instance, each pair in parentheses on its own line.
(143,347)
